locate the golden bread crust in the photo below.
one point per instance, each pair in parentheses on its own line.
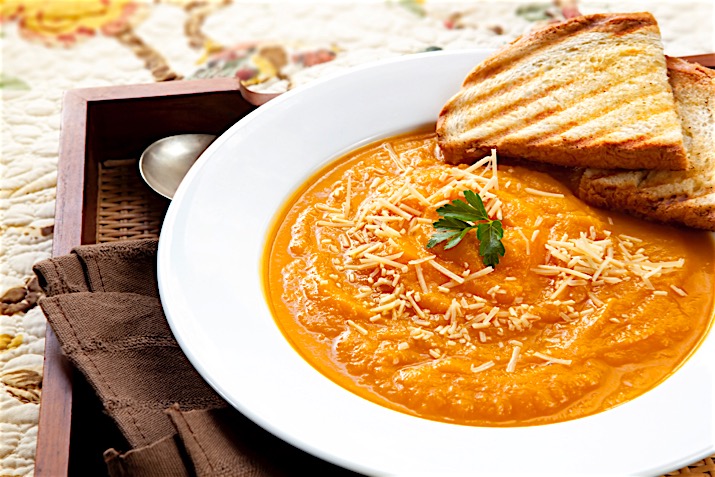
(681,197)
(617,24)
(589,92)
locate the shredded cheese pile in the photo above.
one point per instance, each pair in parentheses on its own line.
(587,260)
(368,245)
(367,252)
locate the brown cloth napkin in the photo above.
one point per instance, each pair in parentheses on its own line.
(103,304)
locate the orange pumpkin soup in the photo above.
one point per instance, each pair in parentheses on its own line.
(586,309)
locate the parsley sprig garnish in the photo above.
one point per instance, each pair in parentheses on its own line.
(459,217)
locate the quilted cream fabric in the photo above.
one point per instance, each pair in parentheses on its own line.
(53,46)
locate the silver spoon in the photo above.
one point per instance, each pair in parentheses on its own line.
(164,163)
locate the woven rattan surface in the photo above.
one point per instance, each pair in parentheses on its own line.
(127,209)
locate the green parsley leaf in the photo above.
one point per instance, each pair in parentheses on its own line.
(459,217)
(450,235)
(490,246)
(451,223)
(473,210)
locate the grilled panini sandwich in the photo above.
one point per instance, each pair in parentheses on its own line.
(685,197)
(591,91)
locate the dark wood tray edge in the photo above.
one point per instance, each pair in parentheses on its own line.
(53,439)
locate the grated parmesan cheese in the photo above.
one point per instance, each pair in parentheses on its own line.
(373,225)
(543,193)
(511,366)
(482,367)
(551,359)
(357,327)
(678,291)
(600,261)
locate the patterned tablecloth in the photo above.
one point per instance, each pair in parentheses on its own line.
(49,46)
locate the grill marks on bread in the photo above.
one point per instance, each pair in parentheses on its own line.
(684,197)
(592,91)
(550,37)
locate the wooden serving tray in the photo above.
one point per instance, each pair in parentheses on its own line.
(101,198)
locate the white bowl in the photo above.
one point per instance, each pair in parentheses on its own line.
(209,268)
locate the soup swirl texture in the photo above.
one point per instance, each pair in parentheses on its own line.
(586,310)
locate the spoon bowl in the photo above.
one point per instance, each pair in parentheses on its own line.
(164,163)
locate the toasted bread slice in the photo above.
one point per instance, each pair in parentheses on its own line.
(588,92)
(684,197)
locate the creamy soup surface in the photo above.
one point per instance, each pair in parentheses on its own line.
(586,310)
